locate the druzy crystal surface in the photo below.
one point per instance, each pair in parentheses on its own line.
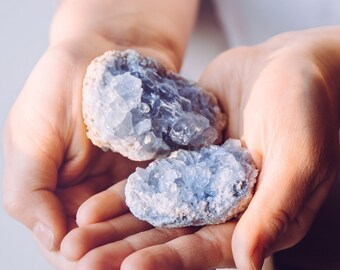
(193,188)
(134,106)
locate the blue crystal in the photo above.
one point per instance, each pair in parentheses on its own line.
(193,188)
(182,115)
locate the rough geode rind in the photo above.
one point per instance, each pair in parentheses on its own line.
(134,106)
(193,188)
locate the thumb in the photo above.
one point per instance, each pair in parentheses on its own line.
(30,176)
(289,195)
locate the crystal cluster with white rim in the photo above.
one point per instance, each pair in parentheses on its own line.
(193,188)
(134,106)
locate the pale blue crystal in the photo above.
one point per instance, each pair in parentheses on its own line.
(193,188)
(160,105)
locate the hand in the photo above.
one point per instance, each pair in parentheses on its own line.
(282,101)
(105,245)
(51,167)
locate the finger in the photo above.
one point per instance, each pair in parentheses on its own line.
(298,228)
(208,248)
(297,158)
(103,206)
(81,240)
(33,151)
(58,260)
(74,196)
(111,256)
(281,200)
(29,182)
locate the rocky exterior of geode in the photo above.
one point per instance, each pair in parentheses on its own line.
(134,106)
(193,188)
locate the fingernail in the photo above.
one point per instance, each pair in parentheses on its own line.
(44,235)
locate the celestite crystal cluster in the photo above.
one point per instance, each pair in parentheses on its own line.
(193,188)
(134,106)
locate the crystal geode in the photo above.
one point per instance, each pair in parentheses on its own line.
(193,188)
(134,106)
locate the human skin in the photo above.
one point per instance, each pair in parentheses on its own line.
(282,101)
(279,96)
(51,167)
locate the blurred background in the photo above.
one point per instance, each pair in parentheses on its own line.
(23,38)
(24,29)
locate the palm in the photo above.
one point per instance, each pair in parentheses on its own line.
(275,105)
(82,169)
(67,169)
(94,177)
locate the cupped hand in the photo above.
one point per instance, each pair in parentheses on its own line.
(282,101)
(281,98)
(110,237)
(51,167)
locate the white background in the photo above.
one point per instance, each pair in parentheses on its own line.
(24,29)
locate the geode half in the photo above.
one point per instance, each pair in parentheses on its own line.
(134,106)
(193,188)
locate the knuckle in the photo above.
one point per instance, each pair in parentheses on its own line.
(98,261)
(219,242)
(216,242)
(278,223)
